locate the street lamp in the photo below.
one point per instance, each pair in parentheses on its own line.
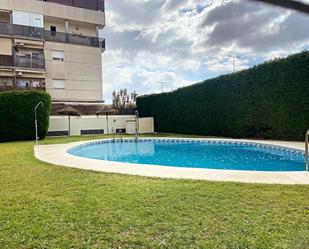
(36,122)
(234,61)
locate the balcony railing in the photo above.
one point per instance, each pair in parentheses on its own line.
(22,62)
(38,33)
(18,88)
(6,60)
(74,39)
(25,62)
(85,4)
(20,30)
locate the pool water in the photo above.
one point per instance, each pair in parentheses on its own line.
(195,154)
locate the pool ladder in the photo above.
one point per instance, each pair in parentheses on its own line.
(136,135)
(307,151)
(114,135)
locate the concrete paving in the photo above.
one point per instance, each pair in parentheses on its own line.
(57,154)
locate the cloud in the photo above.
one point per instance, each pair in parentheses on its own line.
(182,42)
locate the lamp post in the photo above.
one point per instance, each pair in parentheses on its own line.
(234,61)
(36,122)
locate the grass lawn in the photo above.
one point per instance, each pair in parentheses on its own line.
(46,206)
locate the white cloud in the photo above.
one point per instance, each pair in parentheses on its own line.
(182,42)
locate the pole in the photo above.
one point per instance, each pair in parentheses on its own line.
(234,61)
(161,83)
(107,124)
(36,122)
(306,151)
(136,125)
(69,120)
(234,64)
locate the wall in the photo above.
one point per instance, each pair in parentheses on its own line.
(82,29)
(5,46)
(55,10)
(60,123)
(57,22)
(88,4)
(5,17)
(77,60)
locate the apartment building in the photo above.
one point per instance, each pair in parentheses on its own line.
(53,46)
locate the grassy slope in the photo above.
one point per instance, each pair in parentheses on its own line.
(45,206)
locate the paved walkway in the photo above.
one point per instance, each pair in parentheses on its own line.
(57,155)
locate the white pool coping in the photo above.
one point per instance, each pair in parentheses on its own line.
(57,154)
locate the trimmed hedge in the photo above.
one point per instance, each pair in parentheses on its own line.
(17,115)
(270,100)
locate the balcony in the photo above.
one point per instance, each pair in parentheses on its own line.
(30,63)
(74,39)
(13,30)
(22,62)
(98,5)
(6,61)
(8,29)
(17,88)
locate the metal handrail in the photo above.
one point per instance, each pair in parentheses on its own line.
(114,135)
(121,140)
(8,29)
(136,126)
(307,151)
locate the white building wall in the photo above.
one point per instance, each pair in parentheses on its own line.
(60,123)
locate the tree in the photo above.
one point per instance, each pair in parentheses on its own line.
(123,102)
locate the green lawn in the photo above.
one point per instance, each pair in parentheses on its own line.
(46,206)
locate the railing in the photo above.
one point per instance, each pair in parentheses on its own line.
(4,88)
(5,29)
(8,29)
(136,137)
(34,63)
(23,62)
(85,4)
(306,151)
(20,30)
(27,31)
(6,60)
(74,39)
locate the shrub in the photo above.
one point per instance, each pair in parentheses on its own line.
(17,115)
(270,100)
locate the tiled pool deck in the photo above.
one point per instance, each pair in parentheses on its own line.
(57,154)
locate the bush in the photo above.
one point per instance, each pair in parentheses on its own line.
(17,115)
(270,100)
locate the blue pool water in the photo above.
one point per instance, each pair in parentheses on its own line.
(195,154)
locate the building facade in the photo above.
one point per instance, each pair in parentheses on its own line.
(54,46)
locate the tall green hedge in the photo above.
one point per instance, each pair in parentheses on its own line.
(270,100)
(17,115)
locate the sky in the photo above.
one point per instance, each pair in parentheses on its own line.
(182,42)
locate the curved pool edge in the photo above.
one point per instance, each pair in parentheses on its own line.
(58,155)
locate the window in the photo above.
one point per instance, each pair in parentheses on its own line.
(53,30)
(57,55)
(37,22)
(58,84)
(28,19)
(36,56)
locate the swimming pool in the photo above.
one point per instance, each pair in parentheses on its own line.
(184,153)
